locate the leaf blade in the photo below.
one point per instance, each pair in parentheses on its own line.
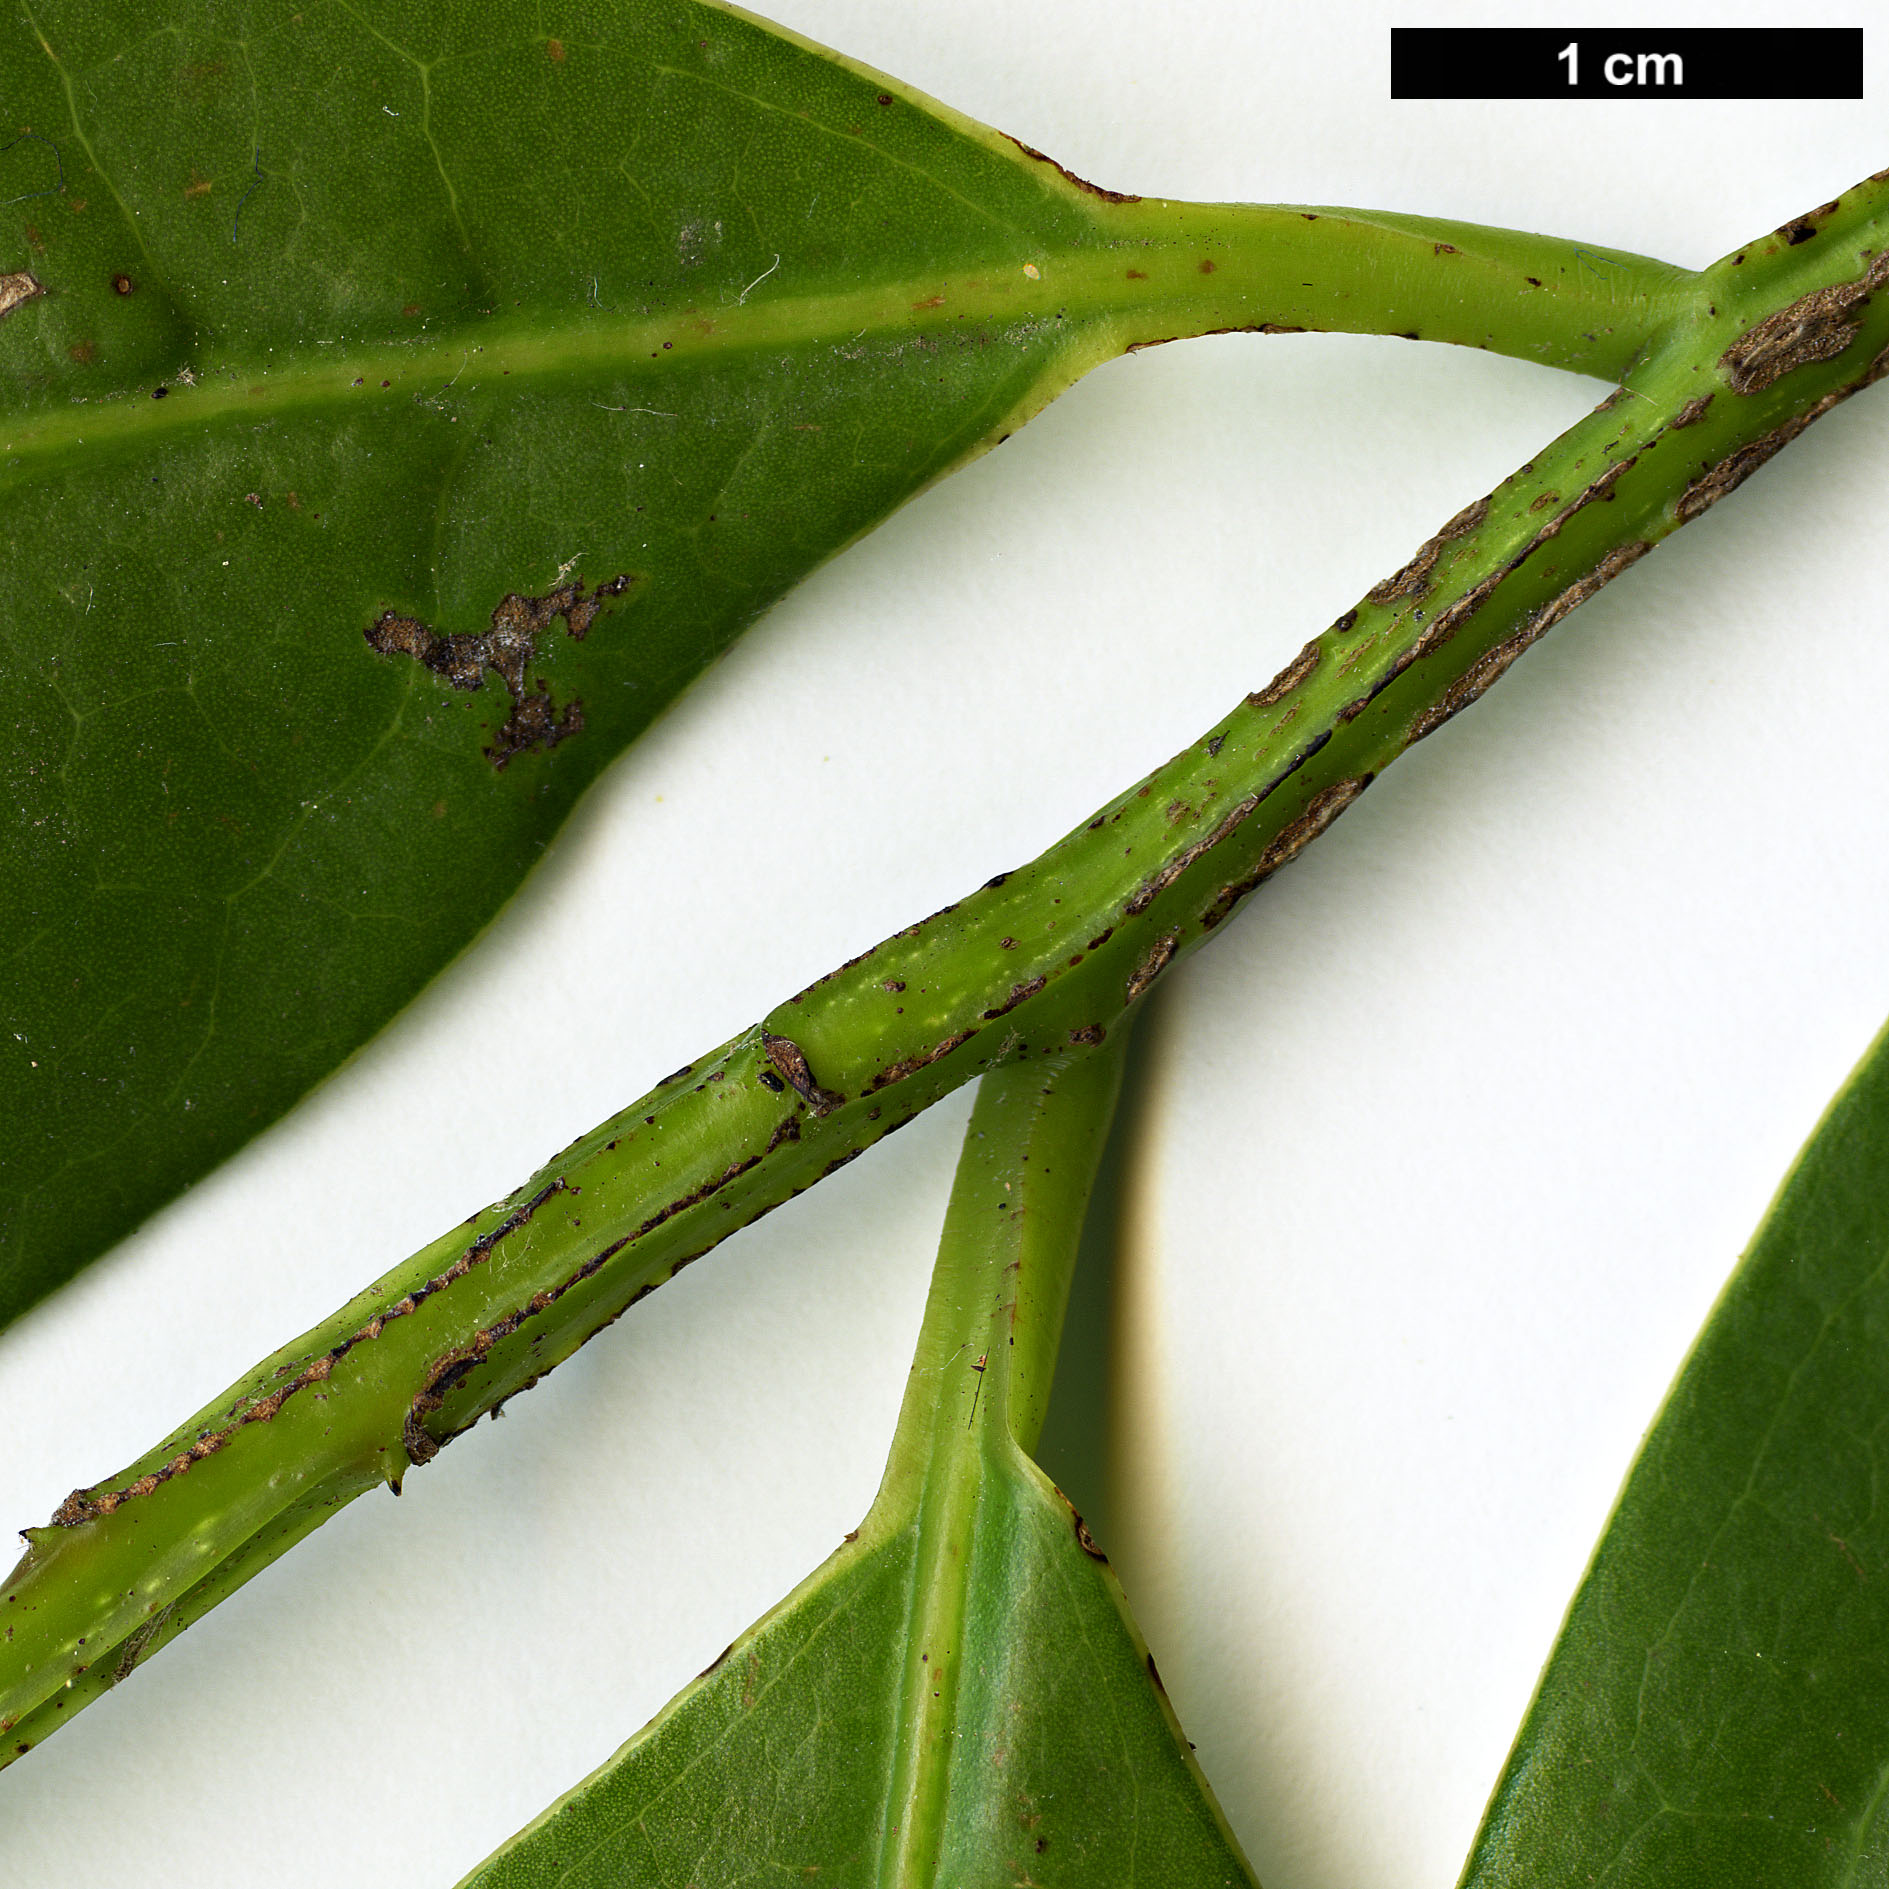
(1714,1704)
(321,296)
(249,838)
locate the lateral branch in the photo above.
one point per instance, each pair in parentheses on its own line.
(1038,961)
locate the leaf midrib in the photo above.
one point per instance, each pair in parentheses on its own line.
(325,375)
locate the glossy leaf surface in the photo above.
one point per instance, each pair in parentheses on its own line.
(345,326)
(398,405)
(959,1694)
(1716,1711)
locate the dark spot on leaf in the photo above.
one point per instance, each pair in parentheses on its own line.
(507,649)
(21,286)
(158,393)
(554,50)
(122,285)
(885,98)
(1206,265)
(83,352)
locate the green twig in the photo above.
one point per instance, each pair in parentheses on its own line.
(980,1384)
(1038,961)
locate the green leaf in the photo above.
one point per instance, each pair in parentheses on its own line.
(399,405)
(1716,1710)
(351,327)
(959,1694)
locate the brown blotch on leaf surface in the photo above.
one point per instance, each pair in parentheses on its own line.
(507,649)
(20,287)
(122,284)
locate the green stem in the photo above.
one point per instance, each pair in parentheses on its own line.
(1176,269)
(1039,960)
(980,1384)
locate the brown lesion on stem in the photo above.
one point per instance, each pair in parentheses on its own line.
(1448,621)
(1320,811)
(91,1505)
(1228,825)
(911,1065)
(1290,677)
(1157,958)
(1816,327)
(1019,993)
(507,649)
(1729,473)
(1489,668)
(452,1367)
(787,1057)
(1414,578)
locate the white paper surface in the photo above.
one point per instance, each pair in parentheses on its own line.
(1457,1131)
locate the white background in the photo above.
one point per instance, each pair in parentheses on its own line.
(1452,1137)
